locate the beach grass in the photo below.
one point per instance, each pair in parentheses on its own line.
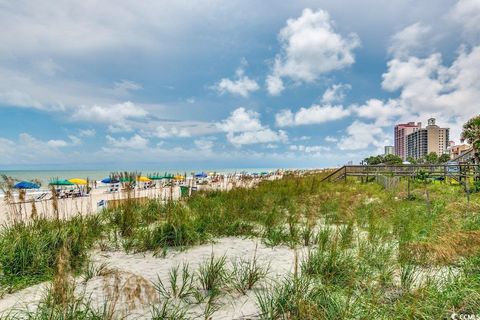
(409,252)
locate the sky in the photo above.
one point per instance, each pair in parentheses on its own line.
(228,84)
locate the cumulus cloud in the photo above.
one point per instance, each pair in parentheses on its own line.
(467,14)
(260,136)
(429,88)
(110,114)
(168,132)
(331,139)
(87,133)
(310,48)
(241,85)
(384,113)
(204,144)
(134,142)
(361,135)
(30,150)
(241,119)
(409,40)
(57,143)
(309,149)
(244,127)
(61,143)
(335,93)
(315,114)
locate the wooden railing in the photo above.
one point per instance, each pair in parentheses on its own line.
(456,171)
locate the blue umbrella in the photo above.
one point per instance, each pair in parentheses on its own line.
(110,180)
(26,185)
(201,175)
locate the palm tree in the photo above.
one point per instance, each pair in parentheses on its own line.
(471,134)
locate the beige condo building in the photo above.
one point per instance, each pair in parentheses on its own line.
(427,140)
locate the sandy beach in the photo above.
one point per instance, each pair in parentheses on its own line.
(146,269)
(98,198)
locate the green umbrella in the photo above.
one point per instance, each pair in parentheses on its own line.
(61,183)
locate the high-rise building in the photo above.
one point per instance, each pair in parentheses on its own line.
(401,132)
(388,150)
(430,139)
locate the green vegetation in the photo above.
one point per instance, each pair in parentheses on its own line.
(383,159)
(409,252)
(471,134)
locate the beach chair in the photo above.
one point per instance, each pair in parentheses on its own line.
(101,204)
(41,196)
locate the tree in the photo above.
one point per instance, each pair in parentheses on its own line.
(444,158)
(471,134)
(431,158)
(373,160)
(412,160)
(387,159)
(392,159)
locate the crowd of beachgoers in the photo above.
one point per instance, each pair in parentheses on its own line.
(85,196)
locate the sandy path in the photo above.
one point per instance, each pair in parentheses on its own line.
(149,268)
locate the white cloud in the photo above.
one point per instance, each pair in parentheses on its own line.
(204,144)
(331,139)
(259,136)
(75,141)
(87,133)
(60,143)
(135,142)
(310,47)
(57,143)
(30,150)
(115,115)
(384,113)
(274,85)
(172,131)
(467,14)
(309,149)
(244,127)
(242,85)
(119,127)
(409,40)
(316,114)
(125,86)
(362,135)
(335,93)
(430,89)
(240,120)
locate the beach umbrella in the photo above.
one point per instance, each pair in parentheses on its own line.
(201,175)
(110,180)
(78,181)
(179,177)
(126,179)
(26,185)
(143,179)
(61,183)
(156,177)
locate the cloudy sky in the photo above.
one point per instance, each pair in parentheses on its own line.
(228,84)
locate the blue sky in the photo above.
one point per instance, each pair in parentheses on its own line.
(217,84)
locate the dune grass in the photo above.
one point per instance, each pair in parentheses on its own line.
(370,252)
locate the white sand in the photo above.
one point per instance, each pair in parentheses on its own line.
(89,204)
(140,271)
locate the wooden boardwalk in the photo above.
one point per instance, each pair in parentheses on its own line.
(458,172)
